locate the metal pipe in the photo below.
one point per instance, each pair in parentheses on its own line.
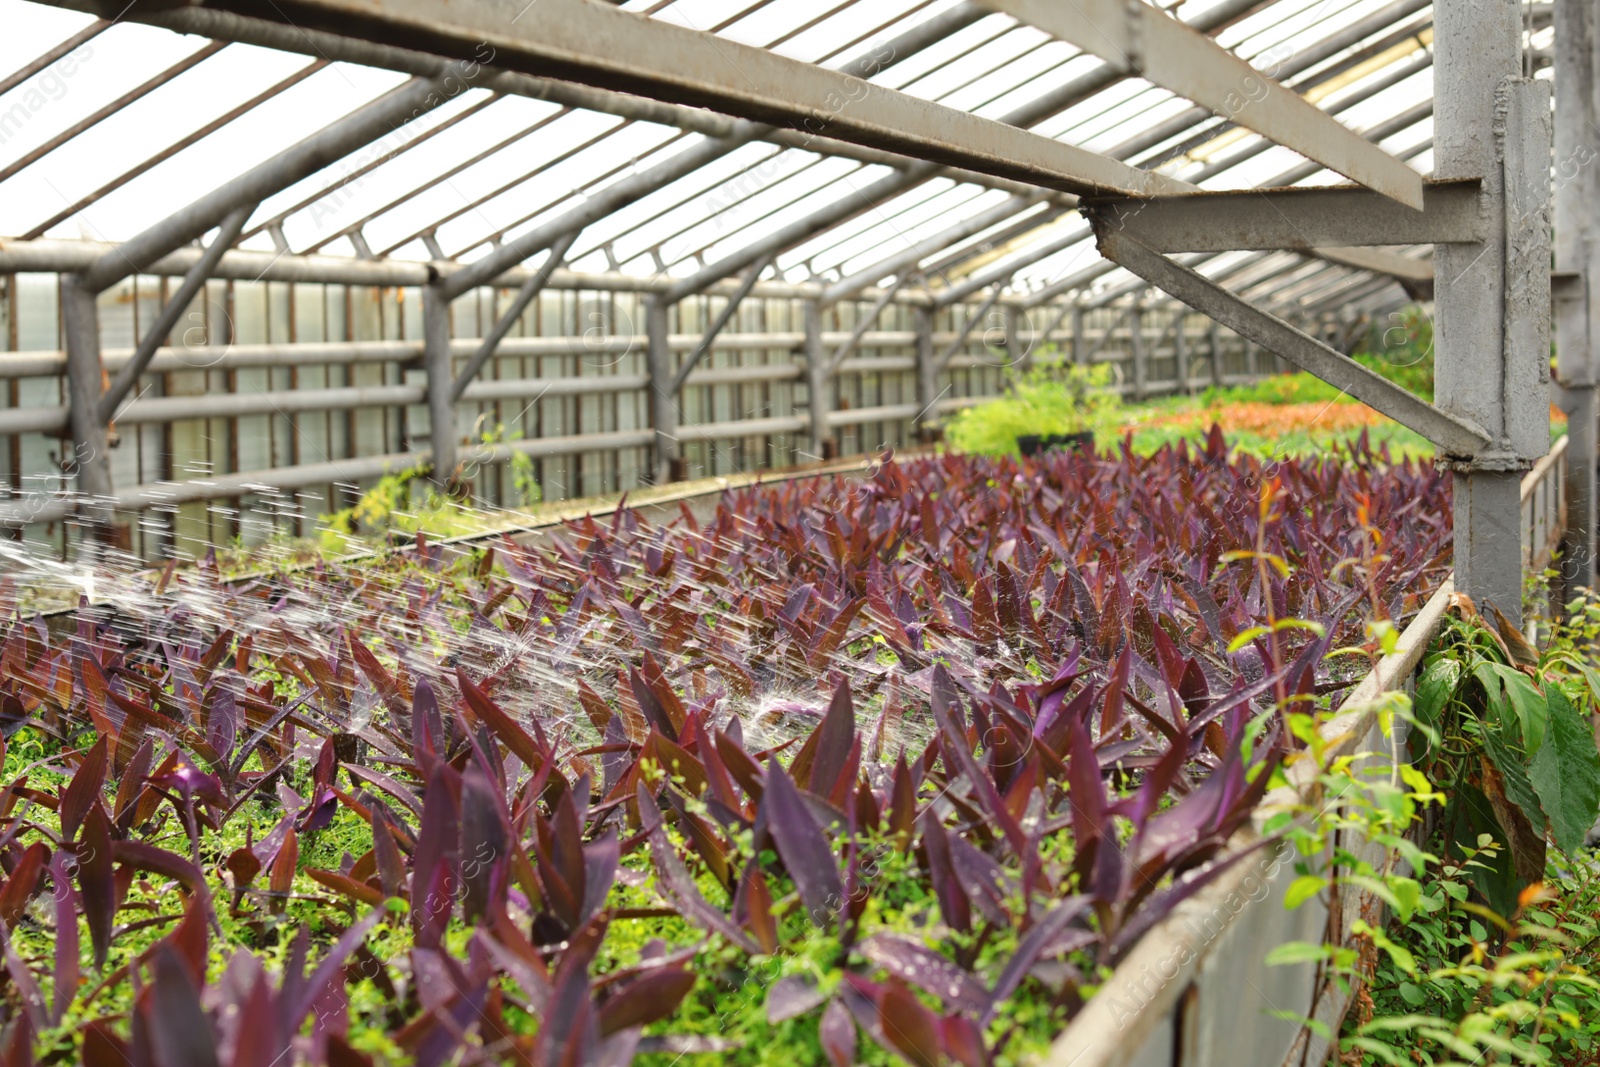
(28,70)
(508,318)
(849,344)
(440,368)
(99,115)
(91,456)
(663,401)
(128,376)
(729,308)
(362,126)
(817,375)
(173,149)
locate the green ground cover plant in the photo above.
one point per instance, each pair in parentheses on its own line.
(1493,941)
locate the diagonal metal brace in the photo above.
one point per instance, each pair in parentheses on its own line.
(519,303)
(722,320)
(168,318)
(966,331)
(1452,435)
(849,343)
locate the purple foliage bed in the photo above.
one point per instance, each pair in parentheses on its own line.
(862,770)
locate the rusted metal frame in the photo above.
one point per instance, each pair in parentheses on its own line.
(1145,40)
(943,360)
(500,190)
(34,66)
(724,317)
(1105,335)
(849,344)
(840,187)
(98,116)
(362,126)
(702,193)
(1002,272)
(367,168)
(1300,217)
(667,171)
(1308,57)
(907,258)
(1378,131)
(508,318)
(173,149)
(1453,434)
(602,46)
(168,317)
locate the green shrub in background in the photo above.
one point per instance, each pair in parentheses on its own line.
(1054,397)
(1400,347)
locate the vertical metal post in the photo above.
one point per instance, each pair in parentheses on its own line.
(1180,348)
(927,374)
(91,456)
(437,363)
(1214,344)
(816,381)
(1577,186)
(1079,353)
(663,401)
(1136,347)
(1487,326)
(1018,351)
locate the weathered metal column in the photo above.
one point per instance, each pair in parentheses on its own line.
(1018,351)
(1493,298)
(90,456)
(1577,188)
(927,373)
(441,387)
(1214,343)
(663,401)
(1136,347)
(1079,354)
(818,433)
(1180,348)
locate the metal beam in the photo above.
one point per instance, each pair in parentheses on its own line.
(100,114)
(903,261)
(1576,299)
(1482,373)
(1300,218)
(91,455)
(725,316)
(360,127)
(1142,39)
(437,362)
(848,345)
(1452,434)
(595,44)
(966,330)
(508,318)
(192,284)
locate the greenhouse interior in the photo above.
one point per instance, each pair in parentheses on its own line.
(577,533)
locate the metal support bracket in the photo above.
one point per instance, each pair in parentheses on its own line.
(1301,218)
(849,344)
(1453,435)
(508,318)
(721,321)
(168,318)
(966,331)
(1140,38)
